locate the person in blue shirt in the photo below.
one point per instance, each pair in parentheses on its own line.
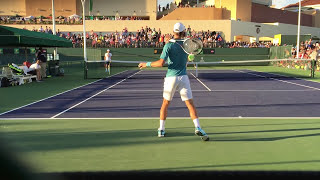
(176,79)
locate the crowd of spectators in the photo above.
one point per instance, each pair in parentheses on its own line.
(148,37)
(142,38)
(306,48)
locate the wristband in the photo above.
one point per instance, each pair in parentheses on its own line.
(148,64)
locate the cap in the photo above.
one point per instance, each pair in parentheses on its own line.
(178,27)
(108,49)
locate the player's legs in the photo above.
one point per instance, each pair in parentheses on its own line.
(169,88)
(186,96)
(164,109)
(106,66)
(163,117)
(192,109)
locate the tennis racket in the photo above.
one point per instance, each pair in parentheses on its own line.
(192,46)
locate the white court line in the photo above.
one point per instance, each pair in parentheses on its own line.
(57,94)
(201,82)
(144,90)
(280,80)
(222,90)
(94,95)
(286,76)
(157,118)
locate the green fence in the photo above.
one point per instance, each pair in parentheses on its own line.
(280,52)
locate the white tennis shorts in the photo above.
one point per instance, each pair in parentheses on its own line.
(177,83)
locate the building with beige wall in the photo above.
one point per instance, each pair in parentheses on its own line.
(142,8)
(37,7)
(231,17)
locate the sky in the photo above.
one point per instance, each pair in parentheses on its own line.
(282,3)
(278,3)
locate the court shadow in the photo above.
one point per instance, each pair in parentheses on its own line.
(243,164)
(44,140)
(265,138)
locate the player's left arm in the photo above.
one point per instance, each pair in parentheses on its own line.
(159,63)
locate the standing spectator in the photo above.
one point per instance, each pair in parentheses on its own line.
(43,62)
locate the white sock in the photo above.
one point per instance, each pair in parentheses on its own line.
(196,123)
(162,122)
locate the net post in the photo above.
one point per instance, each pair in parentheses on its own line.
(313,67)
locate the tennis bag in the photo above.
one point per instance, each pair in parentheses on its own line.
(5,82)
(15,69)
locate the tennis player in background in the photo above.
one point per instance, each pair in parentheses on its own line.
(176,79)
(107,58)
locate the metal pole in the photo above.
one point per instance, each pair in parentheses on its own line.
(298,35)
(84,31)
(54,29)
(85,68)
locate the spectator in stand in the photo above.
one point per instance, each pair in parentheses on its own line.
(41,29)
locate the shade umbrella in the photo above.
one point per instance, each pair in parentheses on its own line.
(15,37)
(74,16)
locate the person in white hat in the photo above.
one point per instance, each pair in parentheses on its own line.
(176,79)
(107,58)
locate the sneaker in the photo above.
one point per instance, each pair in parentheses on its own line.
(161,133)
(200,132)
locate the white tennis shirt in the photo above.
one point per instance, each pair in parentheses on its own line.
(108,58)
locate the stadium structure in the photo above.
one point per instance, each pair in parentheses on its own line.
(237,20)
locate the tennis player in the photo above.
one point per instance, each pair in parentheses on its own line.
(107,58)
(176,79)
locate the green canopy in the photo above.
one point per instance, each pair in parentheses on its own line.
(14,37)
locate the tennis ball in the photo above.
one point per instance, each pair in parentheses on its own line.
(191,57)
(222,60)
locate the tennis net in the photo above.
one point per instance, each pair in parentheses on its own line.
(268,68)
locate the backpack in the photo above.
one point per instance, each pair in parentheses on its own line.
(5,82)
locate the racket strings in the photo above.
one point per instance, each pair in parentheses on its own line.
(193,46)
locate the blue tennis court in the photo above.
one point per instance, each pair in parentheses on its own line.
(217,93)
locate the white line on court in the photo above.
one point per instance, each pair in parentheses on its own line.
(221,90)
(94,95)
(280,80)
(57,94)
(157,118)
(201,82)
(287,76)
